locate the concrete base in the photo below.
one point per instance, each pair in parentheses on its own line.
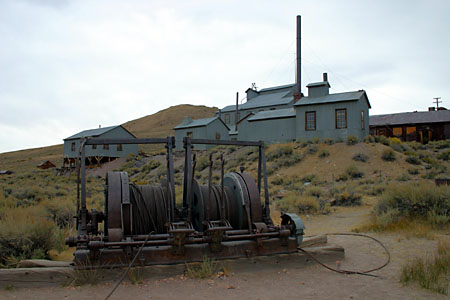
(58,276)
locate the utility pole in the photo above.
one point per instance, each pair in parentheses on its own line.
(437,102)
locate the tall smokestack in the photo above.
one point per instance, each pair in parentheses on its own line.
(298,77)
(236,116)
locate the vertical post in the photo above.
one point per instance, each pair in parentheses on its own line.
(236,116)
(170,178)
(266,188)
(222,187)
(187,170)
(259,167)
(298,78)
(191,185)
(83,229)
(209,186)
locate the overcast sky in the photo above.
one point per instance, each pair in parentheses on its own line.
(66,66)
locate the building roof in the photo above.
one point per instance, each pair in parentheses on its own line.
(419,117)
(332,98)
(198,123)
(95,132)
(263,100)
(277,88)
(315,84)
(273,114)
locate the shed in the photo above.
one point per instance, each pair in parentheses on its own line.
(208,128)
(99,153)
(420,126)
(46,165)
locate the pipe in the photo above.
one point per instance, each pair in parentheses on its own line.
(299,56)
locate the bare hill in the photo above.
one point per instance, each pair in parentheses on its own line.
(161,124)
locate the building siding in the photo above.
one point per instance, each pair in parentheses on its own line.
(269,131)
(116,133)
(202,132)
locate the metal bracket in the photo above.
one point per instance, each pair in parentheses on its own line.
(178,232)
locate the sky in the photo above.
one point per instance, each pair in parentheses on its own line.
(67,66)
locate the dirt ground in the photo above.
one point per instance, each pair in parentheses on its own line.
(288,282)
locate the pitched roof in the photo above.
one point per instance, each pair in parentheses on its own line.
(277,98)
(198,123)
(277,87)
(315,84)
(410,118)
(332,98)
(273,114)
(91,132)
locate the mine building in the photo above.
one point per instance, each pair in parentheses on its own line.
(285,114)
(97,154)
(419,126)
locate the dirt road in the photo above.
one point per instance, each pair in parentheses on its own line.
(287,282)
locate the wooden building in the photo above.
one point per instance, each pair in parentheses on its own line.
(46,165)
(420,126)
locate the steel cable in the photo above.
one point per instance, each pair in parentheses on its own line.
(348,272)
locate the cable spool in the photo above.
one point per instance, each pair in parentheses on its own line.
(240,195)
(134,209)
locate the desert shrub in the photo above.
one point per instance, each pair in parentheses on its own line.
(395,141)
(231,149)
(277,180)
(296,202)
(206,269)
(308,178)
(311,149)
(353,172)
(430,272)
(61,212)
(403,177)
(324,153)
(383,140)
(413,171)
(151,165)
(444,155)
(290,160)
(314,191)
(369,139)
(399,147)
(388,155)
(415,200)
(360,157)
(413,160)
(347,198)
(328,141)
(27,233)
(316,140)
(342,177)
(352,140)
(279,151)
(202,163)
(376,190)
(436,145)
(131,157)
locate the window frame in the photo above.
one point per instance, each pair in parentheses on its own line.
(190,134)
(119,147)
(363,121)
(306,120)
(336,118)
(72,147)
(227,118)
(105,146)
(94,147)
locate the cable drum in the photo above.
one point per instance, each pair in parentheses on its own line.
(149,204)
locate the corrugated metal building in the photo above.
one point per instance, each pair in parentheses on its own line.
(99,153)
(273,115)
(420,126)
(208,128)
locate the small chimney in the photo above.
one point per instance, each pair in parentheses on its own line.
(99,126)
(432,108)
(220,114)
(325,77)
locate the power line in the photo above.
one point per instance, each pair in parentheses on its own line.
(437,102)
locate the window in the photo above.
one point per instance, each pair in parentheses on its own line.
(341,118)
(73,147)
(189,134)
(227,118)
(217,136)
(273,108)
(106,147)
(362,121)
(94,147)
(119,147)
(310,120)
(397,131)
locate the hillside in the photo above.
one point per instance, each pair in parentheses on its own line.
(161,124)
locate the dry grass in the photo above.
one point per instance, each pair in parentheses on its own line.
(206,269)
(430,273)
